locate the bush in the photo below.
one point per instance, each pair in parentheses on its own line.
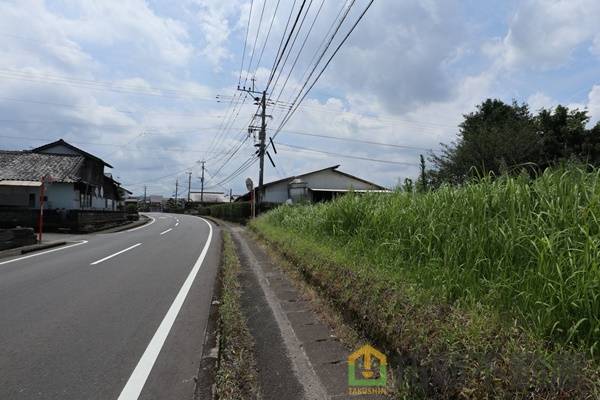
(238,212)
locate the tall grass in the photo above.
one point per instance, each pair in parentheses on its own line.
(528,248)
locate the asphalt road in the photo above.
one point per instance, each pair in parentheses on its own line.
(121,316)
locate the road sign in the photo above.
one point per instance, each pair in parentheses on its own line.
(249,184)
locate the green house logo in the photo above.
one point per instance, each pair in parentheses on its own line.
(367,367)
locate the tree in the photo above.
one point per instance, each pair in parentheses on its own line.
(423,174)
(494,138)
(563,136)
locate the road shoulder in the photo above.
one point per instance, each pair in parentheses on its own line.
(299,354)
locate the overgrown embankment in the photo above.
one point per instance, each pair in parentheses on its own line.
(236,374)
(491,289)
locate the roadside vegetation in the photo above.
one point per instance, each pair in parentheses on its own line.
(487,289)
(236,377)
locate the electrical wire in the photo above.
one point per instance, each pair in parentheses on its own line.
(301,148)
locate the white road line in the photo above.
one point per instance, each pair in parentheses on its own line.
(143,226)
(177,223)
(138,377)
(168,230)
(44,252)
(115,254)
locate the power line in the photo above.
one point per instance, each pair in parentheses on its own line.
(399,146)
(245,42)
(291,46)
(289,115)
(262,12)
(301,48)
(280,55)
(300,148)
(101,85)
(266,38)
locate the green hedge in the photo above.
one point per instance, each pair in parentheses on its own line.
(239,212)
(234,212)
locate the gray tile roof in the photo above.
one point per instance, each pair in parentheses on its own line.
(29,166)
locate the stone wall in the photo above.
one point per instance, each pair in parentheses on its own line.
(59,220)
(16,237)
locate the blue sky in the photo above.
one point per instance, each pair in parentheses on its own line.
(136,82)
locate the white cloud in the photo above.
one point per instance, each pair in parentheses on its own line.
(539,100)
(593,104)
(400,53)
(544,34)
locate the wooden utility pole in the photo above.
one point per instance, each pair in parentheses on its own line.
(176,189)
(262,134)
(202,184)
(189,186)
(230,195)
(261,139)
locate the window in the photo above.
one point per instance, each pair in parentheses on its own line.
(31,200)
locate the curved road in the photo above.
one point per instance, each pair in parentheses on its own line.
(117,316)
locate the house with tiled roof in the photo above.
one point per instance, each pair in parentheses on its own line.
(74,179)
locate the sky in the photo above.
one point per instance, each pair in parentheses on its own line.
(151,86)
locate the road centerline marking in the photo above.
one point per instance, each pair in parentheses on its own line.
(115,254)
(140,374)
(167,231)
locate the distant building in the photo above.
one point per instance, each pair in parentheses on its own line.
(155,202)
(209,197)
(320,185)
(78,180)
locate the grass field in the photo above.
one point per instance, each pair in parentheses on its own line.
(524,253)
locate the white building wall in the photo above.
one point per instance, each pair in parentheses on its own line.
(277,193)
(62,195)
(329,179)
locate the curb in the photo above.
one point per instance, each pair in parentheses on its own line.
(30,249)
(206,377)
(130,225)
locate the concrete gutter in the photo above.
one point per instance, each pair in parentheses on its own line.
(31,248)
(288,331)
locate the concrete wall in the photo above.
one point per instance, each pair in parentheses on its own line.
(61,195)
(16,237)
(329,179)
(277,193)
(18,196)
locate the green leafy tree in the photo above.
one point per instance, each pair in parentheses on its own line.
(563,136)
(494,138)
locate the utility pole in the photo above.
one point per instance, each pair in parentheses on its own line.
(189,186)
(261,149)
(230,196)
(202,184)
(176,189)
(262,134)
(144,195)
